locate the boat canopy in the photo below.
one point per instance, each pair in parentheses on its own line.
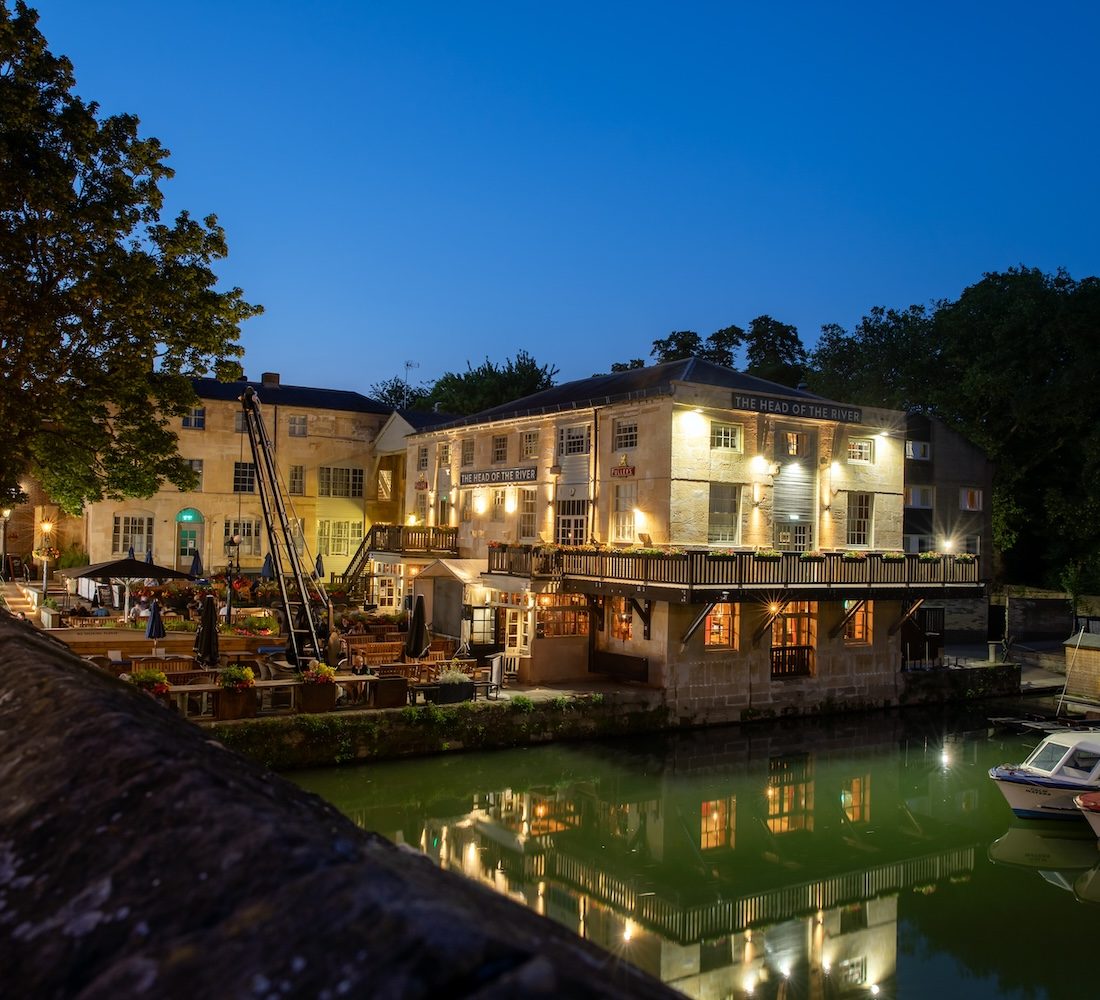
(1074,755)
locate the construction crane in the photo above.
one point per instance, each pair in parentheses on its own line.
(299,589)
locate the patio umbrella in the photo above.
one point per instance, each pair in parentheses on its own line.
(206,638)
(125,571)
(319,569)
(196,565)
(267,571)
(149,556)
(418,641)
(154,628)
(130,553)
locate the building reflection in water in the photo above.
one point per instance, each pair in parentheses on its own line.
(747,872)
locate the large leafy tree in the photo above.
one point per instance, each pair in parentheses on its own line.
(106,311)
(720,347)
(1010,365)
(774,351)
(489,384)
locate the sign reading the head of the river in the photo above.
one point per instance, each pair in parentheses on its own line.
(491,477)
(806,409)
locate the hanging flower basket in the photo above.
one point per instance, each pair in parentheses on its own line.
(47,552)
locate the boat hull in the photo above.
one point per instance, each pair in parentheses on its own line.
(1088,804)
(1031,796)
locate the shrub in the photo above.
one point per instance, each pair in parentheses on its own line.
(521,703)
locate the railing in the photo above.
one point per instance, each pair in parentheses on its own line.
(792,661)
(412,538)
(734,570)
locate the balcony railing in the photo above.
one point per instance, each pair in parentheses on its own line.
(413,539)
(792,661)
(735,570)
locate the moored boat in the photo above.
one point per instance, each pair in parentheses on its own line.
(1088,804)
(1064,765)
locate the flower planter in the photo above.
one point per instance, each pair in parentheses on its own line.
(450,694)
(234,704)
(315,698)
(51,617)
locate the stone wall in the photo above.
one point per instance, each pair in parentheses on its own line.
(1039,617)
(140,857)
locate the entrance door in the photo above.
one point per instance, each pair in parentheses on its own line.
(572,523)
(188,542)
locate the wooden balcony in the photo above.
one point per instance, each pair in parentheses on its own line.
(695,575)
(413,540)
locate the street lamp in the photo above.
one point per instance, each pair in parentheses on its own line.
(232,552)
(6,515)
(47,527)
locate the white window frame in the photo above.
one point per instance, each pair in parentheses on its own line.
(859,524)
(422,458)
(297,425)
(719,533)
(529,445)
(296,480)
(625,436)
(249,530)
(919,451)
(443,453)
(467,451)
(528,513)
(861,451)
(195,420)
(576,439)
(726,436)
(971,499)
(132,530)
(916,495)
(622,516)
(498,505)
(499,449)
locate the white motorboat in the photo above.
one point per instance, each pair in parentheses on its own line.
(1088,803)
(1065,764)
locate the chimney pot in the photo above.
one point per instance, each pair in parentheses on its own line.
(270,379)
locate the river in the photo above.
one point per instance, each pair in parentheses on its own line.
(868,857)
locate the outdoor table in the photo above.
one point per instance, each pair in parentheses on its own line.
(360,681)
(181,691)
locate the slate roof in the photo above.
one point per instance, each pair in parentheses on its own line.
(418,420)
(290,395)
(636,383)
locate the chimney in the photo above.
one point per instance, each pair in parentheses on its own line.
(270,379)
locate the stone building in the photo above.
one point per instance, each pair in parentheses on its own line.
(684,525)
(323,443)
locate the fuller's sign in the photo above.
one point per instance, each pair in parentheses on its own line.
(492,477)
(804,408)
(622,471)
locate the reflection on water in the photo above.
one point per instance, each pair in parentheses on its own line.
(867,858)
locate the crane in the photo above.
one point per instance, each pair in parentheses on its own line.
(299,589)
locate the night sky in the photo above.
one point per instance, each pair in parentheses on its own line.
(441,182)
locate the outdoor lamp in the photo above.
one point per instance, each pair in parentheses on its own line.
(5,514)
(47,527)
(232,548)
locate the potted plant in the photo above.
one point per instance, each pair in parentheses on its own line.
(965,557)
(854,555)
(811,556)
(929,557)
(893,556)
(767,555)
(237,697)
(153,682)
(454,686)
(318,690)
(50,613)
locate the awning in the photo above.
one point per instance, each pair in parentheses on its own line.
(467,571)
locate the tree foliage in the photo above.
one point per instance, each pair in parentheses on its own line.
(399,394)
(720,347)
(106,312)
(1011,365)
(488,385)
(774,351)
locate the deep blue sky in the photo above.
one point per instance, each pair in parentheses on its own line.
(440,182)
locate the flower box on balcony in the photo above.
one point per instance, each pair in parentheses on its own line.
(813,557)
(929,557)
(721,554)
(966,557)
(854,557)
(767,555)
(893,556)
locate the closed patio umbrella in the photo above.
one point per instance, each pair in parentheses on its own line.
(149,556)
(130,553)
(319,569)
(154,628)
(196,565)
(418,641)
(206,638)
(267,571)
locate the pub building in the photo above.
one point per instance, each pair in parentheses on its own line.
(732,541)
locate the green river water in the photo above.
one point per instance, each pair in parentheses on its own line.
(869,857)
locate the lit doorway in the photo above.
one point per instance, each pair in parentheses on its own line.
(189,537)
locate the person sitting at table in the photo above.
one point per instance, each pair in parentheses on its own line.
(357,628)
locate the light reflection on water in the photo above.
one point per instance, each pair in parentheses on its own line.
(869,857)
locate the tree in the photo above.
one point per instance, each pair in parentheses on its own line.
(720,347)
(106,312)
(490,385)
(626,366)
(774,351)
(397,393)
